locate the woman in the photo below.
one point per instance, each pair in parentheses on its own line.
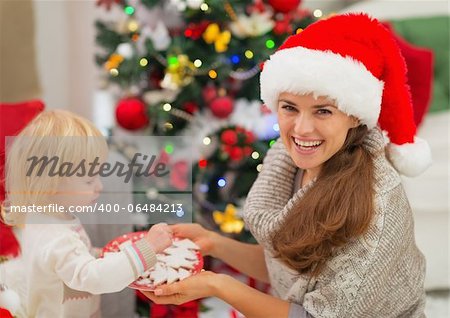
(334,228)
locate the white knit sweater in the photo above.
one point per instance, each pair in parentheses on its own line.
(378,275)
(63,279)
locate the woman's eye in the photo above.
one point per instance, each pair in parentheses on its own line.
(288,107)
(324,111)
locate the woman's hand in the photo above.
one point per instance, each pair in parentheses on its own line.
(249,301)
(204,238)
(197,286)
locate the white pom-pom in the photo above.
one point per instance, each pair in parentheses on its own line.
(410,159)
(9,300)
(126,50)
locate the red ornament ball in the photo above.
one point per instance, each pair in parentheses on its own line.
(229,137)
(203,163)
(131,114)
(284,6)
(190,107)
(209,93)
(282,27)
(236,154)
(222,107)
(249,137)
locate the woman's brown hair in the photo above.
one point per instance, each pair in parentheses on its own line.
(336,209)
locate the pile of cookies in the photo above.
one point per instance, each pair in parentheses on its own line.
(175,263)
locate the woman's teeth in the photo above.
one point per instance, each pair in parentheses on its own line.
(301,143)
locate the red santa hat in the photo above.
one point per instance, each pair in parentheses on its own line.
(354,60)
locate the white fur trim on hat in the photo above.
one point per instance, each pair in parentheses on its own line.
(347,81)
(410,159)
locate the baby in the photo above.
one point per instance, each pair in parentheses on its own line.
(63,278)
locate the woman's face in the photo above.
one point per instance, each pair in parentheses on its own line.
(312,130)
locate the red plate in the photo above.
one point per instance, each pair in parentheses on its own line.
(113,246)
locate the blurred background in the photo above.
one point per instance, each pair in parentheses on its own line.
(191,67)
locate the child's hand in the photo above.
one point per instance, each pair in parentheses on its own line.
(160,237)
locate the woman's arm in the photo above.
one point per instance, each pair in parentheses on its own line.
(250,302)
(246,258)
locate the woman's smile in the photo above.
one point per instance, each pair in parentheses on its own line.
(306,146)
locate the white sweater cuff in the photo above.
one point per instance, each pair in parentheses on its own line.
(141,256)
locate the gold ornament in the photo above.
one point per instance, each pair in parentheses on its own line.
(220,39)
(179,72)
(228,220)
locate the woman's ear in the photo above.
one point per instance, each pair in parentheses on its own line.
(355,122)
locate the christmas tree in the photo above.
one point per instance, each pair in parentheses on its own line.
(191,67)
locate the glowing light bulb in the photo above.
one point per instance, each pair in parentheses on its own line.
(197,63)
(167,107)
(206,141)
(143,62)
(212,74)
(169,148)
(317,13)
(248,54)
(270,44)
(129,10)
(203,163)
(133,26)
(255,155)
(235,59)
(221,182)
(173,61)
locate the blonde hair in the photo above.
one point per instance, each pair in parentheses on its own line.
(52,133)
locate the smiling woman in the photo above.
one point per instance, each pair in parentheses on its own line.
(334,228)
(327,147)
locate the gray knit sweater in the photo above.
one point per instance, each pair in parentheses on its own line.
(378,275)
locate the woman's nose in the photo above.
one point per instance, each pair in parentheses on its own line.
(304,124)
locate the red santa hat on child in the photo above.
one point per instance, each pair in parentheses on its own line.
(354,60)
